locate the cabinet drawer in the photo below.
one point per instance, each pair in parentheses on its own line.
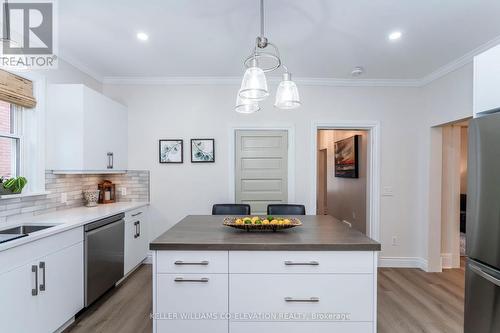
(188,326)
(293,327)
(191,261)
(350,294)
(191,293)
(277,262)
(136,214)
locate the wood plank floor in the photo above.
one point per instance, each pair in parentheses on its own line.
(409,300)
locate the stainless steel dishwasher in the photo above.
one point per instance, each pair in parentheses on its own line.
(104,250)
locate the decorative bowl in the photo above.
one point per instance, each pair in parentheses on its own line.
(91,196)
(283,223)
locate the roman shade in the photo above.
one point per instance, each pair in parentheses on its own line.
(16,90)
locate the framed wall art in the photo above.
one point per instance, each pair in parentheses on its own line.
(171,151)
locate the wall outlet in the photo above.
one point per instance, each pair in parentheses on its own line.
(395,241)
(124,191)
(64,198)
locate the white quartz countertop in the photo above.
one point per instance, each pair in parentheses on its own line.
(64,220)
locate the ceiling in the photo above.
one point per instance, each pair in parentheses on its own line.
(317,38)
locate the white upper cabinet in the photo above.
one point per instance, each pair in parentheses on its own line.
(487,80)
(86,131)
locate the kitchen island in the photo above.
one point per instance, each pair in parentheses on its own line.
(321,277)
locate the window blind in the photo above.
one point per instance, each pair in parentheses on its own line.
(16,90)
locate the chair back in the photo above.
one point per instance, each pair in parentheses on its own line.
(231,209)
(285,209)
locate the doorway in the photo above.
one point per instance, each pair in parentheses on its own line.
(454,193)
(342,175)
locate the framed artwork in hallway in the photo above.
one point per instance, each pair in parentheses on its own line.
(346,158)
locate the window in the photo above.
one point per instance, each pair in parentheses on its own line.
(10,140)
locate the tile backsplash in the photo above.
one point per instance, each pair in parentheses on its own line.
(136,184)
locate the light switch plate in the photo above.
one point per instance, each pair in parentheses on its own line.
(124,191)
(387,191)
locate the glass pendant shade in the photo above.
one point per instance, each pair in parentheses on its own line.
(254,85)
(246,105)
(287,95)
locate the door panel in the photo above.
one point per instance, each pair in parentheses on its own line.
(482,299)
(483,206)
(261,168)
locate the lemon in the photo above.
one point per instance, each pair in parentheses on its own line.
(286,221)
(274,221)
(265,222)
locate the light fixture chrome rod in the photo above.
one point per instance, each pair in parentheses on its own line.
(261,18)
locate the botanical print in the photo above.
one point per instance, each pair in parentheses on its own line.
(346,158)
(171,151)
(202,150)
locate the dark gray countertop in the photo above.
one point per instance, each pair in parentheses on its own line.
(318,233)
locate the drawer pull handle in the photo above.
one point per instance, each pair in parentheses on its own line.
(202,263)
(302,263)
(136,214)
(34,269)
(204,280)
(303,300)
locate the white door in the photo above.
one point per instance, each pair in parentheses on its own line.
(261,168)
(19,307)
(61,275)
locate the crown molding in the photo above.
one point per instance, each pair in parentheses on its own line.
(332,82)
(458,63)
(81,66)
(273,80)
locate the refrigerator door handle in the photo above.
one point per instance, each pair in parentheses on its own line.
(485,275)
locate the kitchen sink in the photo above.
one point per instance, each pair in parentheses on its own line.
(25,229)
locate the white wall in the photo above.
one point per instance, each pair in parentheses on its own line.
(346,197)
(185,112)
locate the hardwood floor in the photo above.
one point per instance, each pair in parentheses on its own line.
(409,300)
(124,309)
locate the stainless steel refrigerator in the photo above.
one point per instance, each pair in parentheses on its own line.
(482,277)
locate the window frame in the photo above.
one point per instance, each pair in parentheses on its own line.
(15,135)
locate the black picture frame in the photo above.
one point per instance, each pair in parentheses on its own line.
(346,157)
(195,160)
(165,160)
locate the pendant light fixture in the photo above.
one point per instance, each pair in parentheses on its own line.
(265,58)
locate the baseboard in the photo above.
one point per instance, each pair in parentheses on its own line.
(403,262)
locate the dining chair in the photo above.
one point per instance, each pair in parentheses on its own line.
(285,209)
(231,209)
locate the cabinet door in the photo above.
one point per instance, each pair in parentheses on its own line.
(487,80)
(136,242)
(19,309)
(183,298)
(105,132)
(62,289)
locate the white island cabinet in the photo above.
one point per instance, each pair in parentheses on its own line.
(208,278)
(86,131)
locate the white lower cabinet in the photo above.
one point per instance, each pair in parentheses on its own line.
(18,307)
(347,296)
(136,238)
(191,303)
(43,294)
(300,327)
(272,292)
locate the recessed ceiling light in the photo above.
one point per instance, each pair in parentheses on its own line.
(395,35)
(142,36)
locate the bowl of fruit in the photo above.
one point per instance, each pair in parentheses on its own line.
(261,223)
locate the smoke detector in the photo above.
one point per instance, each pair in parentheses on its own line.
(357,71)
